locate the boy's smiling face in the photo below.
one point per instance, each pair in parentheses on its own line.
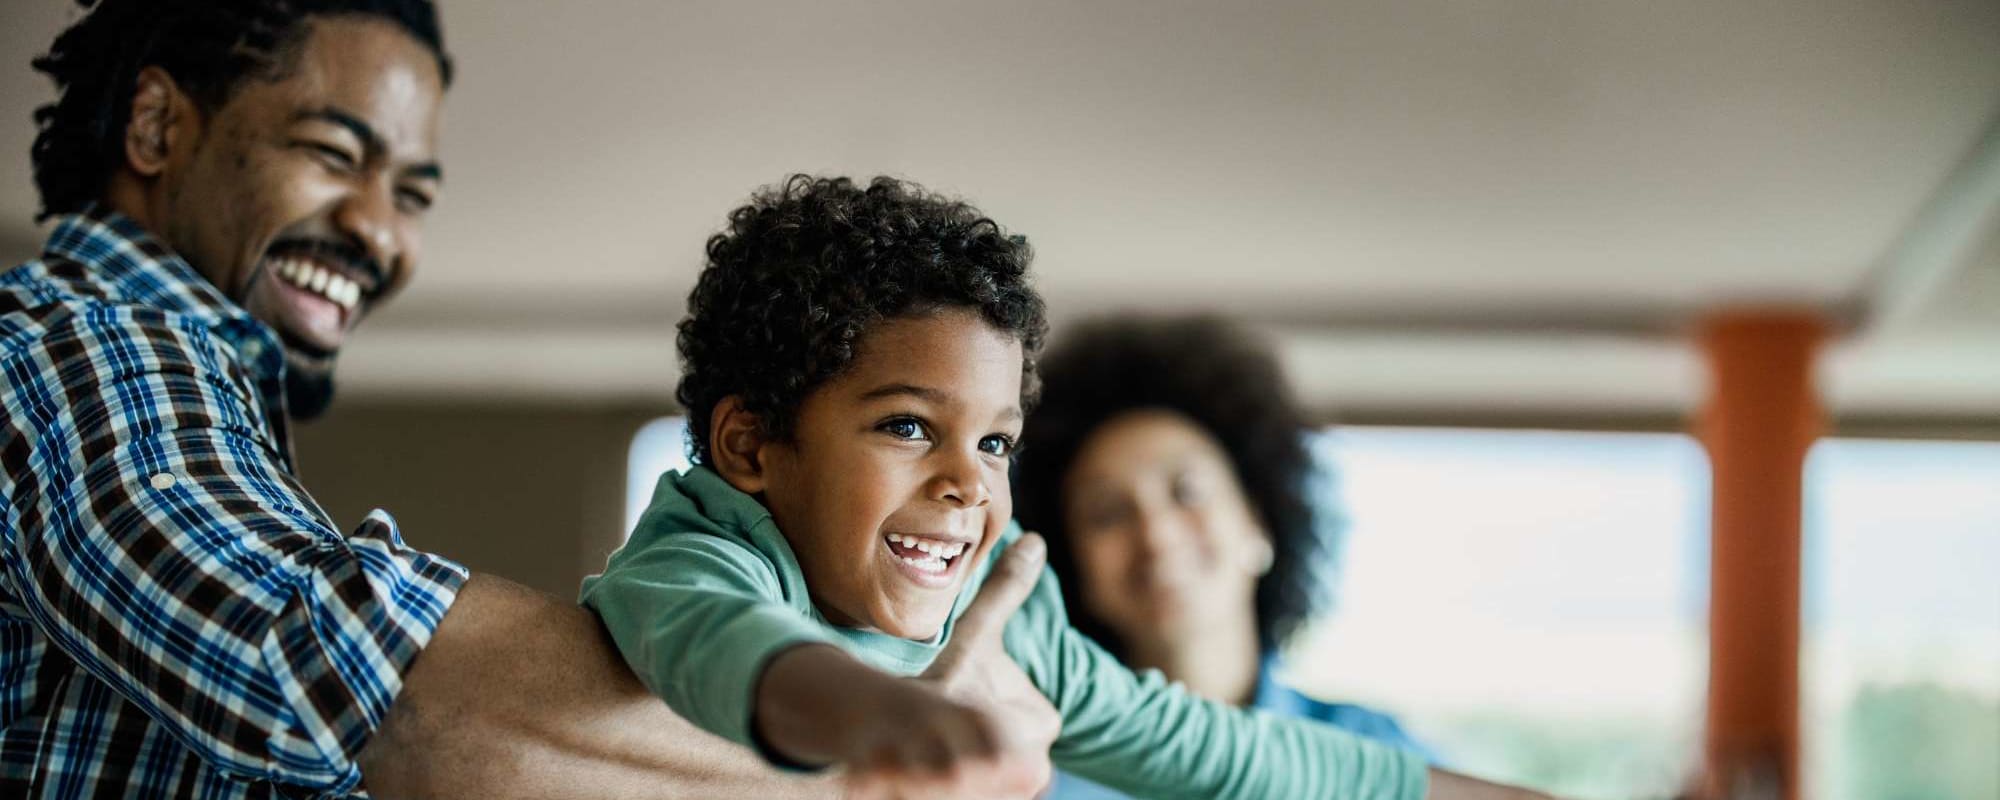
(894,483)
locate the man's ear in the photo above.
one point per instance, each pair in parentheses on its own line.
(736,443)
(163,116)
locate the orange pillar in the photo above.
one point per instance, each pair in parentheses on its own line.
(1760,419)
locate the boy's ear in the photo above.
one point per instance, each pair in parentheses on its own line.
(736,445)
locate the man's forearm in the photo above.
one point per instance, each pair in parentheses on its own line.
(519,695)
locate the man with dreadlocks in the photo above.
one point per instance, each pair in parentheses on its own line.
(234,184)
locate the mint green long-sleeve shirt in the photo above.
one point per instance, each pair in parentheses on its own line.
(707,591)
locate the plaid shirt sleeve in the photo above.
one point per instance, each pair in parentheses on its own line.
(163,545)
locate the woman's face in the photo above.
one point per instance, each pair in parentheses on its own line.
(1164,539)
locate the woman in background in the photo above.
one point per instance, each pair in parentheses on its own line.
(1167,465)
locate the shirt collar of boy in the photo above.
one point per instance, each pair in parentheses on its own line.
(702,496)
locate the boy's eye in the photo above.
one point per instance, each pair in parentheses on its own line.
(997,445)
(904,429)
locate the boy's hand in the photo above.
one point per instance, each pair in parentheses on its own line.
(925,744)
(975,669)
(970,726)
(897,737)
(979,728)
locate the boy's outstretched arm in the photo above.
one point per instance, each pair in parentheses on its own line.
(520,695)
(1142,735)
(972,725)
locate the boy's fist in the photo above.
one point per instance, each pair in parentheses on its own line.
(929,745)
(971,726)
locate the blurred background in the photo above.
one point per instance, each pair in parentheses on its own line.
(1481,234)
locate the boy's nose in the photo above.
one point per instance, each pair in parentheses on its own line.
(962,484)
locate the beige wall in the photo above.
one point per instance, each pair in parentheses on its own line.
(532,493)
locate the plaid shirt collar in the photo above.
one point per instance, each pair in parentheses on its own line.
(129,265)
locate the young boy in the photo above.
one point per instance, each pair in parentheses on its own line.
(856,363)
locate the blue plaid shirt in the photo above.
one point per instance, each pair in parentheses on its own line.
(177,617)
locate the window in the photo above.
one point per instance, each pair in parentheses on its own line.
(1530,604)
(1901,662)
(659,446)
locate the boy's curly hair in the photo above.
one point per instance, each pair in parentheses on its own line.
(806,268)
(210,47)
(1232,387)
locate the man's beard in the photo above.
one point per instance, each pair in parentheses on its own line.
(308,384)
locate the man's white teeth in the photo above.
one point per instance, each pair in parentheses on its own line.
(318,280)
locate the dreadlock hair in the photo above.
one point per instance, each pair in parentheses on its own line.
(209,47)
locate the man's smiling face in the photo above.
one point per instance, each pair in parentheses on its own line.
(302,198)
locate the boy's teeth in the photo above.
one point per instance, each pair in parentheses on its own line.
(933,549)
(932,564)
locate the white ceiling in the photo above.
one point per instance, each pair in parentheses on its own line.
(1438,206)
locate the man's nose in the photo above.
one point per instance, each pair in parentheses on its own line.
(368,219)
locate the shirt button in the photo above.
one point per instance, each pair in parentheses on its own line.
(163,481)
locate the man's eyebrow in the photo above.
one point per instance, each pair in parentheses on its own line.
(428,169)
(370,140)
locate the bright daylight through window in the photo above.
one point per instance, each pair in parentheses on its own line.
(1532,605)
